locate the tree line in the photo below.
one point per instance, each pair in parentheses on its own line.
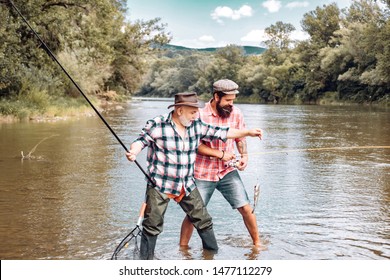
(347,57)
(94,42)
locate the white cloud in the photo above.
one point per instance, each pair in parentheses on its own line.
(297,4)
(206,38)
(299,35)
(227,12)
(258,36)
(222,12)
(272,6)
(245,11)
(255,36)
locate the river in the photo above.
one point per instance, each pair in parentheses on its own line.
(324,174)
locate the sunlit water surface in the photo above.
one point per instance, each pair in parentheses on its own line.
(79,196)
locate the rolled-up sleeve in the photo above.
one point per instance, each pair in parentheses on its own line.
(145,137)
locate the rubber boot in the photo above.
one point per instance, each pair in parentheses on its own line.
(208,239)
(148,243)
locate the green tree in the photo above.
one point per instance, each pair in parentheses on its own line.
(92,40)
(251,77)
(131,48)
(78,28)
(321,23)
(225,65)
(172,73)
(279,35)
(360,47)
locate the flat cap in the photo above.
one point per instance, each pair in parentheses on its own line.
(226,86)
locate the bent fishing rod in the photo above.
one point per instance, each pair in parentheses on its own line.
(50,53)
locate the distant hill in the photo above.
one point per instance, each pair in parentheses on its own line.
(248,50)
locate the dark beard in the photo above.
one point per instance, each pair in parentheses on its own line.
(225,111)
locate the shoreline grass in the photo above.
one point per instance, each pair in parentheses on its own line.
(41,108)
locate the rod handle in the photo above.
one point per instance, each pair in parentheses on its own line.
(141,214)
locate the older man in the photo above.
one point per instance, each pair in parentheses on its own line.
(172,140)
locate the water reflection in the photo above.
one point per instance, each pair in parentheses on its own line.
(80,196)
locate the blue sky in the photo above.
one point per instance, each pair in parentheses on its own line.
(217,23)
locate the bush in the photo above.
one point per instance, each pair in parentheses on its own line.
(329,97)
(37,99)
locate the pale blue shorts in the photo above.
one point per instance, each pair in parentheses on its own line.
(230,186)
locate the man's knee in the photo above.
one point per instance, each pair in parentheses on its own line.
(245,210)
(197,212)
(152,228)
(156,205)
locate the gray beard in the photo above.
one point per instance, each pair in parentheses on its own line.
(184,121)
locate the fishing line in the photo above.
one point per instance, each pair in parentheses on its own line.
(29,155)
(50,53)
(320,149)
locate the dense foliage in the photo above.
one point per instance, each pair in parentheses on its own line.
(347,57)
(91,39)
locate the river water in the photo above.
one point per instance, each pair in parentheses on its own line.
(79,196)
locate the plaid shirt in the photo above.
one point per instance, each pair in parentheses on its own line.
(170,158)
(210,168)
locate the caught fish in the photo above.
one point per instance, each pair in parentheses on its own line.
(256,195)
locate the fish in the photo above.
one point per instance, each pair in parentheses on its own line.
(256,195)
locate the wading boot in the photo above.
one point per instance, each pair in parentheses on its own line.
(208,239)
(148,243)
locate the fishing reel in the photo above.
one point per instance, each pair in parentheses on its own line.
(232,163)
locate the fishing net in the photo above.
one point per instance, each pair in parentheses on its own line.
(128,248)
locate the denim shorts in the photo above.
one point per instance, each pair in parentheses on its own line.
(230,186)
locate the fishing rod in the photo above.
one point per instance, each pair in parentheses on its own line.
(77,86)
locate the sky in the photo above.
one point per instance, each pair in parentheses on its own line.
(217,23)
